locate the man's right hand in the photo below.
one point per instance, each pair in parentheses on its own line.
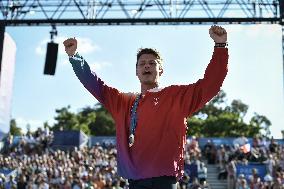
(70,46)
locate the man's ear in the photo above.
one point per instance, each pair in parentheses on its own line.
(136,71)
(161,70)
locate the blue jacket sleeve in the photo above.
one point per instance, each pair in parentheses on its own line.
(111,98)
(88,78)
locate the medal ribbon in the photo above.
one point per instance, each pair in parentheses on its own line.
(133,123)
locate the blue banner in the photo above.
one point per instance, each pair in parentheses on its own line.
(103,140)
(6,171)
(280,141)
(247,170)
(191,170)
(69,139)
(218,141)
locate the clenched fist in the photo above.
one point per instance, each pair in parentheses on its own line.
(70,46)
(218,34)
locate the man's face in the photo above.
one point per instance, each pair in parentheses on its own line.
(148,69)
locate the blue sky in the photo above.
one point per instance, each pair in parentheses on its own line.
(255,66)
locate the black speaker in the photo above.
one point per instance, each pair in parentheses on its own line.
(281,3)
(51,58)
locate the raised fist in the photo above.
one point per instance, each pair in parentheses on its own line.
(70,46)
(218,34)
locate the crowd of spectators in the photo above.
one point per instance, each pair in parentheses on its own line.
(262,151)
(36,165)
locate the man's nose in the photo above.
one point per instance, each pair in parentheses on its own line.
(147,65)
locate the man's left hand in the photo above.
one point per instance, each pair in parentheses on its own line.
(218,34)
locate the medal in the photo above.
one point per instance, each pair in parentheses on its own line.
(131,140)
(133,122)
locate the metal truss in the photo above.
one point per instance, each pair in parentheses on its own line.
(139,12)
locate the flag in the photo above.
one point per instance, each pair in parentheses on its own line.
(245,148)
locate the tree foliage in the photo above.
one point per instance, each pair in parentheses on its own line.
(95,121)
(14,130)
(217,119)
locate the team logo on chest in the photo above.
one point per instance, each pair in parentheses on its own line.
(156,101)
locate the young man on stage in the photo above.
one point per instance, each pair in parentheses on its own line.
(151,125)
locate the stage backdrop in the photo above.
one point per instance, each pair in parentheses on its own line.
(6,82)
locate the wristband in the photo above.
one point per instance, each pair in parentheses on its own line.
(73,55)
(221,45)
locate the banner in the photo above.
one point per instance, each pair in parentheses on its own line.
(221,141)
(247,170)
(191,170)
(102,140)
(6,82)
(69,139)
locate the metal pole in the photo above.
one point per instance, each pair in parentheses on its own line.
(2,31)
(281,11)
(283,54)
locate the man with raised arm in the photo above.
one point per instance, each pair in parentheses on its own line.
(151,125)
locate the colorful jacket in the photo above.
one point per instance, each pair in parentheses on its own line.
(160,134)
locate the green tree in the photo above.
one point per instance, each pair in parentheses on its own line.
(239,108)
(262,123)
(46,125)
(65,119)
(217,119)
(95,121)
(14,130)
(86,117)
(104,124)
